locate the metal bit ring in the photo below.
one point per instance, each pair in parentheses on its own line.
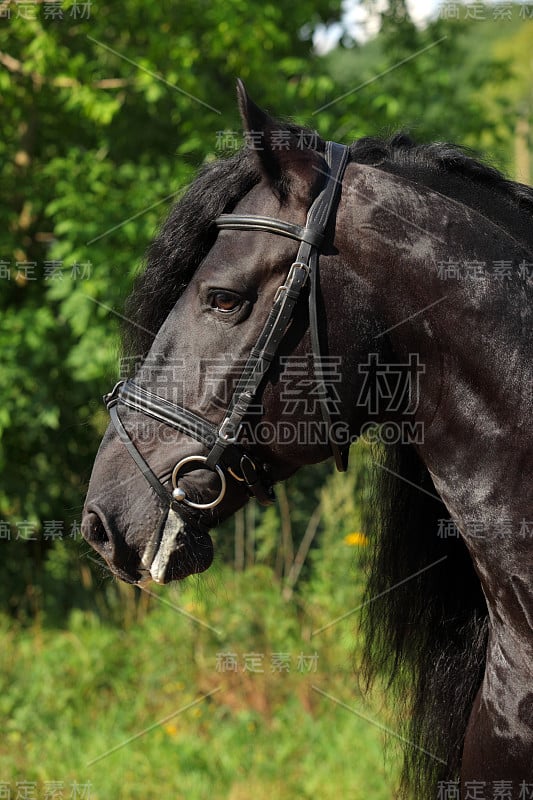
(178,493)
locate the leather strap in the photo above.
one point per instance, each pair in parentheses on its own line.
(270,224)
(259,360)
(143,465)
(181,419)
(337,155)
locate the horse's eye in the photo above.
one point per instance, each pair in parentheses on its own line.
(225,301)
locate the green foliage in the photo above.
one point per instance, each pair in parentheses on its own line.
(68,697)
(454,80)
(343,498)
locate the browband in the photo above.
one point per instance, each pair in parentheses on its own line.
(252,222)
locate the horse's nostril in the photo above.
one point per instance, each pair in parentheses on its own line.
(120,559)
(94,532)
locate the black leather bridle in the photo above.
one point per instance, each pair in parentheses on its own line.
(225,454)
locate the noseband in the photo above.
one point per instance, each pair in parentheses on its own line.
(225,454)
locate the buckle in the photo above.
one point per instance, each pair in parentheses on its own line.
(112,397)
(283,288)
(261,490)
(226,429)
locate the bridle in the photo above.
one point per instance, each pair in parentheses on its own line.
(225,454)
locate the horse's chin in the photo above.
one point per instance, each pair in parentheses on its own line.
(182,549)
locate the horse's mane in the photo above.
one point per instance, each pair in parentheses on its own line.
(428,636)
(401,151)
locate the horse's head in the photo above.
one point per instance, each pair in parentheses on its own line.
(242,385)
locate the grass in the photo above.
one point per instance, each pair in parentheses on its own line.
(69,696)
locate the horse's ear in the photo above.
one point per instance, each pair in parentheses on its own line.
(290,161)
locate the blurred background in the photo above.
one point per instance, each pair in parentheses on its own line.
(241,682)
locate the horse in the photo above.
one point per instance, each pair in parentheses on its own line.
(398,276)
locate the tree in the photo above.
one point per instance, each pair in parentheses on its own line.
(106,115)
(434,82)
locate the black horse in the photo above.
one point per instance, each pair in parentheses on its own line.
(424,281)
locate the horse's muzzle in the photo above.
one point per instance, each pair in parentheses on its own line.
(177,549)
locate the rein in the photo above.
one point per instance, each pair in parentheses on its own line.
(225,454)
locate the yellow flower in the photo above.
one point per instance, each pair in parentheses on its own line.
(171,729)
(356,539)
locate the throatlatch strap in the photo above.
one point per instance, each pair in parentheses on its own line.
(339,159)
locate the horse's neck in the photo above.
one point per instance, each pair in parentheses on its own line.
(492,204)
(473,335)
